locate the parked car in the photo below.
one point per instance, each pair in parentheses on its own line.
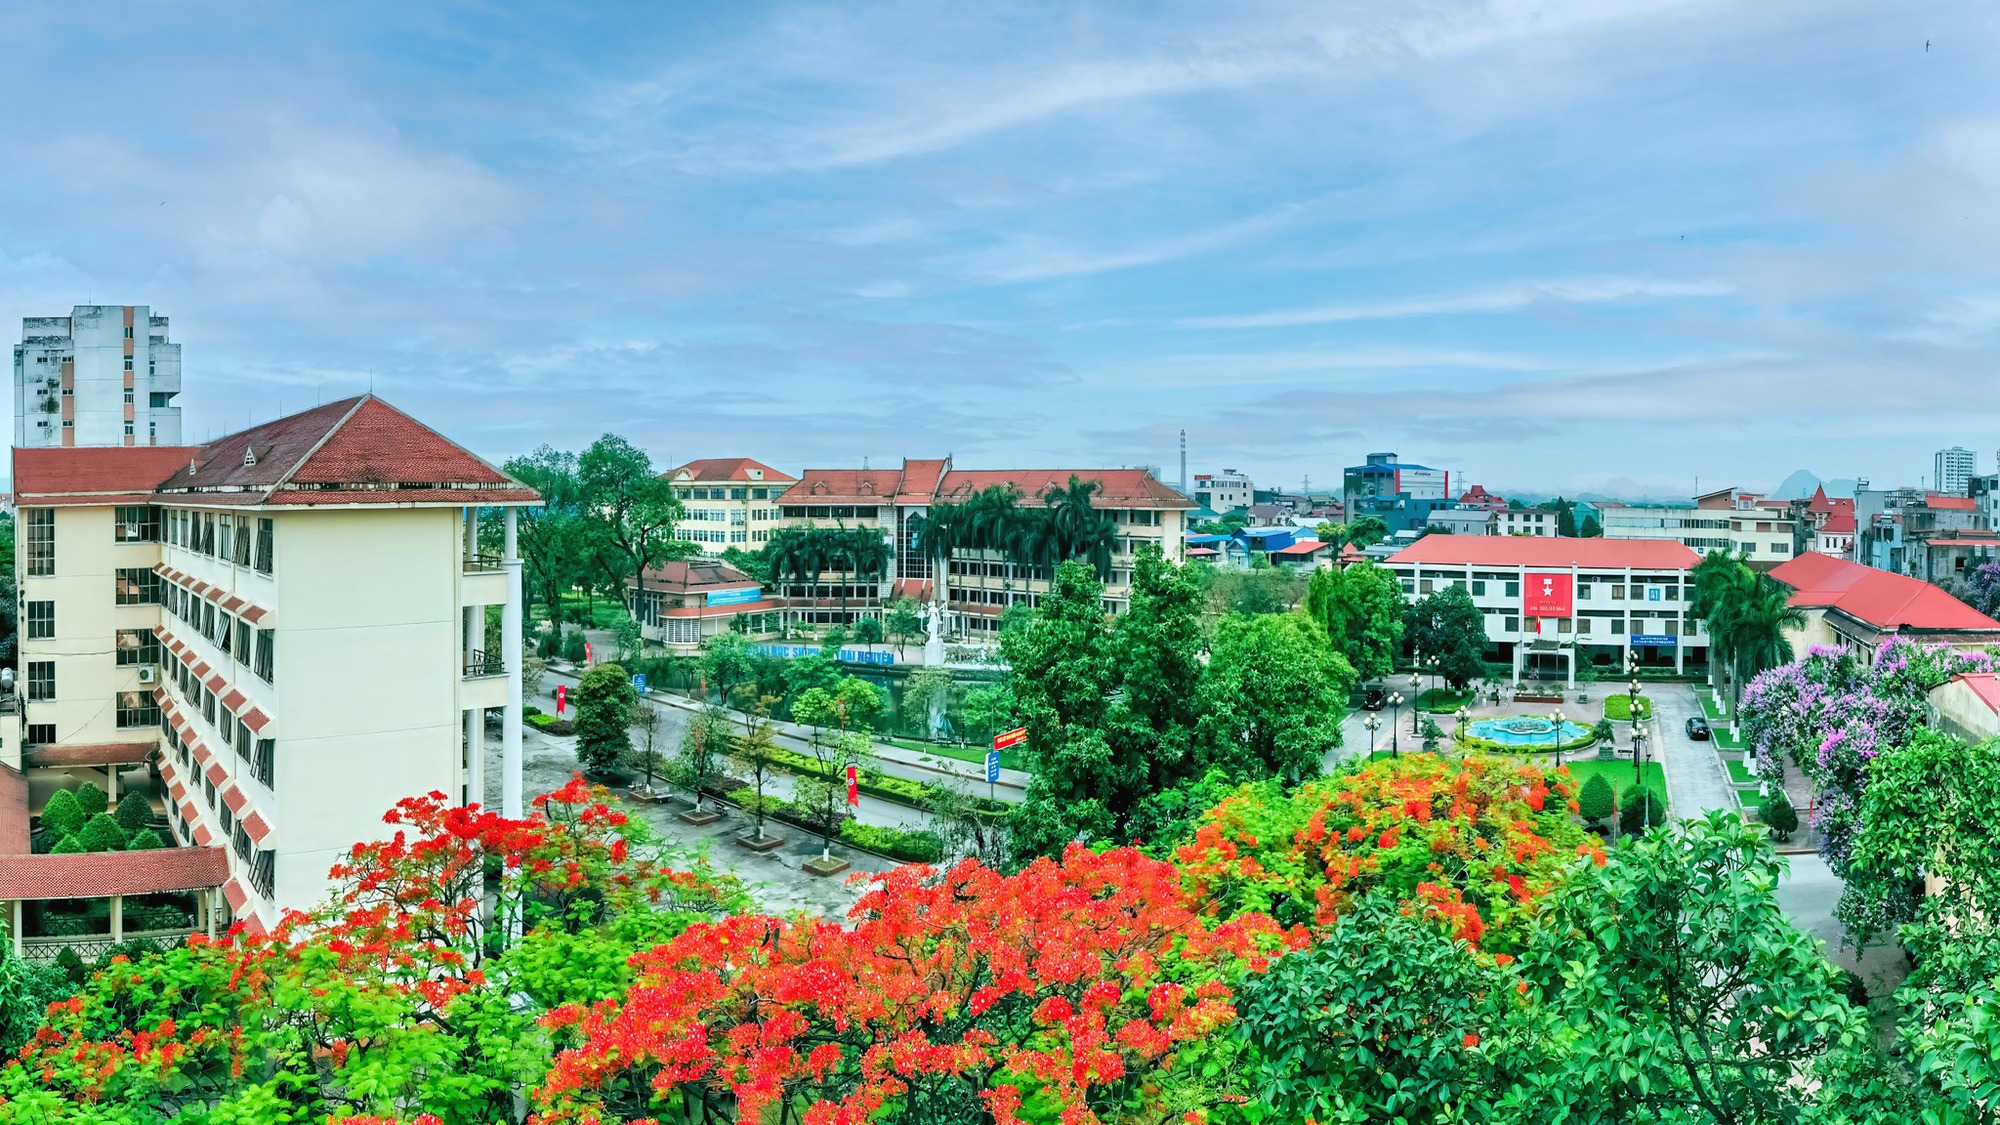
(1697,728)
(1375,700)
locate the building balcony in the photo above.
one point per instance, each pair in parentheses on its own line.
(479,664)
(482,564)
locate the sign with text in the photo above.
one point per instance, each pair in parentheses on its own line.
(1548,595)
(853,788)
(1006,739)
(736,597)
(847,655)
(1657,640)
(992,766)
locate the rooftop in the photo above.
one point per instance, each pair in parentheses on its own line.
(728,469)
(358,450)
(923,482)
(1547,551)
(1877,597)
(696,574)
(103,874)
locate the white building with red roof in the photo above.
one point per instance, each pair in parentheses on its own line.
(1851,604)
(274,636)
(978,585)
(730,502)
(1553,603)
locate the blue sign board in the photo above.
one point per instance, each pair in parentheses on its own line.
(639,682)
(736,597)
(847,655)
(992,767)
(1657,640)
(1656,593)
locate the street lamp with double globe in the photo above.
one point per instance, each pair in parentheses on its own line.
(1557,718)
(1374,725)
(1463,716)
(1416,697)
(1638,755)
(1395,708)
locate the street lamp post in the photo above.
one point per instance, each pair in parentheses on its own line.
(1416,696)
(1557,718)
(1638,754)
(1374,725)
(1395,708)
(1463,715)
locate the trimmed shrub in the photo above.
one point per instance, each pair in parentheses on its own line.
(1596,801)
(145,840)
(1639,809)
(134,810)
(918,845)
(549,724)
(529,710)
(102,834)
(1619,707)
(72,965)
(68,845)
(604,699)
(1779,815)
(747,799)
(572,645)
(91,800)
(63,816)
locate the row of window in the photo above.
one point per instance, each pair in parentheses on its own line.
(260,861)
(703,535)
(253,648)
(741,493)
(260,755)
(135,708)
(1585,591)
(242,540)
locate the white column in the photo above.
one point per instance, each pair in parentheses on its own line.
(15,909)
(117,919)
(510,648)
(111,784)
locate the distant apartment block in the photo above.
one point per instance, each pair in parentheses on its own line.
(1952,468)
(1526,521)
(1401,495)
(103,375)
(274,636)
(1222,492)
(1729,519)
(730,502)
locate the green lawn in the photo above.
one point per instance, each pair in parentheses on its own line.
(1009,760)
(1709,706)
(1739,773)
(1618,708)
(576,607)
(1444,701)
(1725,739)
(1619,774)
(1753,800)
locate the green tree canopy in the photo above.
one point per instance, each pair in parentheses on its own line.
(1361,609)
(603,701)
(1448,634)
(631,510)
(1273,697)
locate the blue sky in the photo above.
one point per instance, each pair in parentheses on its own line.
(1558,245)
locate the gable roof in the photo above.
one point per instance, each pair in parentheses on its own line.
(1524,550)
(358,450)
(696,574)
(94,474)
(1877,597)
(727,469)
(928,481)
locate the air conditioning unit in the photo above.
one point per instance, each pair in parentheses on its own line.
(148,674)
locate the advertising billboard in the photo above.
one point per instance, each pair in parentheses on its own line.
(741,596)
(1548,594)
(1423,484)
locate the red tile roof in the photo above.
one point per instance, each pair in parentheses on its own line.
(92,754)
(1308,547)
(1951,503)
(105,473)
(925,482)
(696,575)
(735,469)
(1522,550)
(1881,599)
(1985,686)
(103,874)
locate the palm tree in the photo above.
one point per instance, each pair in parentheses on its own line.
(1723,585)
(1757,627)
(1081,530)
(862,554)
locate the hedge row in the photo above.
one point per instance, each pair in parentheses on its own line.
(916,794)
(549,724)
(907,845)
(1487,745)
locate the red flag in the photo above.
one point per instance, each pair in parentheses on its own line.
(586,654)
(853,788)
(562,696)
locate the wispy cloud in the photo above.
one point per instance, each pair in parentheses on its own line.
(1506,298)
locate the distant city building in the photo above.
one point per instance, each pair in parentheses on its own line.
(1526,521)
(1729,519)
(1922,534)
(1402,496)
(1225,491)
(730,502)
(1951,468)
(1478,497)
(1465,521)
(103,375)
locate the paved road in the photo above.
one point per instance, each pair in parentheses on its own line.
(1696,780)
(1807,895)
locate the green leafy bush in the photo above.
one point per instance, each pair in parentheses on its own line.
(1596,801)
(747,799)
(549,724)
(1473,742)
(102,834)
(63,816)
(1619,707)
(1602,732)
(1779,815)
(68,845)
(529,710)
(1639,809)
(91,800)
(145,840)
(572,646)
(72,965)
(604,699)
(134,810)
(918,845)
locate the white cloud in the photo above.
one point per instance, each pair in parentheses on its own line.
(1502,299)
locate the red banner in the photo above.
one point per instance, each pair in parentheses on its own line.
(1548,595)
(562,696)
(853,788)
(1013,737)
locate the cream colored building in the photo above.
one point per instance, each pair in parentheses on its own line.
(1526,521)
(980,585)
(278,635)
(730,502)
(1743,523)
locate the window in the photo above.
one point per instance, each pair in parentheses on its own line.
(242,647)
(41,679)
(41,620)
(264,546)
(41,540)
(1673,593)
(128,393)
(266,665)
(1479,587)
(206,623)
(228,820)
(136,524)
(158,400)
(208,705)
(264,766)
(224,630)
(242,557)
(128,332)
(1583,624)
(41,734)
(137,709)
(223,531)
(128,367)
(128,429)
(1513,623)
(207,533)
(739,494)
(1583,591)
(138,646)
(208,790)
(135,585)
(1514,589)
(1617,593)
(242,842)
(260,873)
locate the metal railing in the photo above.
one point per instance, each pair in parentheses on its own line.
(475,564)
(90,947)
(479,663)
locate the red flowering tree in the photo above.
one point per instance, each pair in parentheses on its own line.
(405,991)
(1074,988)
(1475,842)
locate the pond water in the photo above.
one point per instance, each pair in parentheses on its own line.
(1527,731)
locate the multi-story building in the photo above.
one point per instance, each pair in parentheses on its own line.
(1847,603)
(1926,535)
(1527,521)
(1951,468)
(1466,521)
(1551,604)
(103,375)
(979,585)
(276,635)
(1731,519)
(682,604)
(1224,492)
(730,502)
(1401,496)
